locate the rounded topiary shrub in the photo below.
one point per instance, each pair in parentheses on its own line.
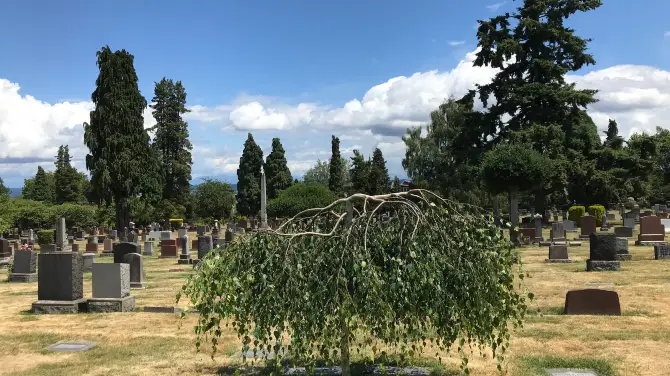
(299,197)
(45,237)
(597,211)
(575,213)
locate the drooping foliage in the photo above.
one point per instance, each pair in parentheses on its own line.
(352,285)
(277,174)
(115,136)
(249,178)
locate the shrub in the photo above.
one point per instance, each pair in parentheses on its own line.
(575,213)
(45,237)
(176,222)
(597,211)
(30,214)
(299,197)
(74,214)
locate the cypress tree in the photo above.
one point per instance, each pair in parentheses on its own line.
(248,178)
(335,182)
(360,173)
(67,181)
(277,174)
(379,175)
(171,144)
(117,141)
(42,187)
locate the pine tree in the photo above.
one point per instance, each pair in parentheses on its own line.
(248,178)
(43,188)
(171,144)
(67,181)
(379,174)
(360,173)
(277,174)
(117,141)
(395,185)
(335,182)
(612,138)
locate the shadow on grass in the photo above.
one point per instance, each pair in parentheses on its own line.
(534,365)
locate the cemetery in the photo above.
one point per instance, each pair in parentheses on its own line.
(523,242)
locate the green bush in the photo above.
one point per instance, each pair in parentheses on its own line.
(575,213)
(176,222)
(597,211)
(299,197)
(45,237)
(30,214)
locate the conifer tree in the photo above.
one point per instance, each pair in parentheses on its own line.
(171,144)
(117,141)
(248,178)
(335,182)
(360,173)
(277,174)
(379,174)
(67,181)
(42,187)
(4,191)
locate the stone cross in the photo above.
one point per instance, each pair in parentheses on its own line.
(264,199)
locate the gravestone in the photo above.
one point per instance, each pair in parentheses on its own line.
(114,235)
(148,249)
(603,226)
(132,237)
(61,235)
(230,235)
(611,216)
(622,249)
(168,248)
(205,245)
(5,249)
(661,251)
(623,232)
(75,247)
(71,346)
(47,248)
(111,289)
(603,253)
(181,232)
(122,249)
(588,226)
(651,231)
(92,239)
(537,222)
(25,266)
(200,230)
(137,275)
(629,222)
(88,259)
(91,248)
(569,226)
(166,235)
(60,283)
(558,253)
(557,232)
(592,302)
(636,213)
(185,255)
(108,246)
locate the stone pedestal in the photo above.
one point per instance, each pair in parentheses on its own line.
(25,266)
(60,284)
(601,266)
(558,253)
(168,248)
(111,289)
(136,264)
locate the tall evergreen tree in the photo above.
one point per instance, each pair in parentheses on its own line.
(41,188)
(360,173)
(277,174)
(248,178)
(171,144)
(117,141)
(335,180)
(379,180)
(612,138)
(534,50)
(395,185)
(68,182)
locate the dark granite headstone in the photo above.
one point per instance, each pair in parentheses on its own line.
(588,225)
(122,249)
(25,261)
(661,251)
(205,245)
(558,253)
(592,302)
(623,232)
(603,246)
(5,248)
(60,276)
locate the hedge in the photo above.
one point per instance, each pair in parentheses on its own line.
(45,237)
(299,197)
(597,211)
(575,213)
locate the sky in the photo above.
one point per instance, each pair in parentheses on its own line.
(299,70)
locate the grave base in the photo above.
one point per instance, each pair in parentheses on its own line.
(584,237)
(137,285)
(575,244)
(168,256)
(100,305)
(599,266)
(637,242)
(544,244)
(624,257)
(182,261)
(564,261)
(107,254)
(59,306)
(23,277)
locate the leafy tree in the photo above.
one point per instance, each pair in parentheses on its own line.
(398,283)
(117,141)
(4,191)
(68,184)
(360,173)
(248,178)
(171,144)
(513,168)
(298,198)
(335,178)
(277,175)
(533,50)
(379,174)
(213,199)
(320,174)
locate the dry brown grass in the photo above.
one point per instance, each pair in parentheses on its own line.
(139,343)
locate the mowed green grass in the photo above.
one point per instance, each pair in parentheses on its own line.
(138,343)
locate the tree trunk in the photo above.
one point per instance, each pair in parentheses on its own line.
(122,215)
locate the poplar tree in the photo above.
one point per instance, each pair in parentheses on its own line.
(115,136)
(335,180)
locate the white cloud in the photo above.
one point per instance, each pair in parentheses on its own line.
(494,7)
(456,42)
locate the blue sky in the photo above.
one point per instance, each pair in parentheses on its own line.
(298,70)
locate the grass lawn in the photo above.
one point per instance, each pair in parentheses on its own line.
(139,343)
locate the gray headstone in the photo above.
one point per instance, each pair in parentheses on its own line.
(621,246)
(205,245)
(122,249)
(148,249)
(629,222)
(60,276)
(111,281)
(166,235)
(137,276)
(25,261)
(603,246)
